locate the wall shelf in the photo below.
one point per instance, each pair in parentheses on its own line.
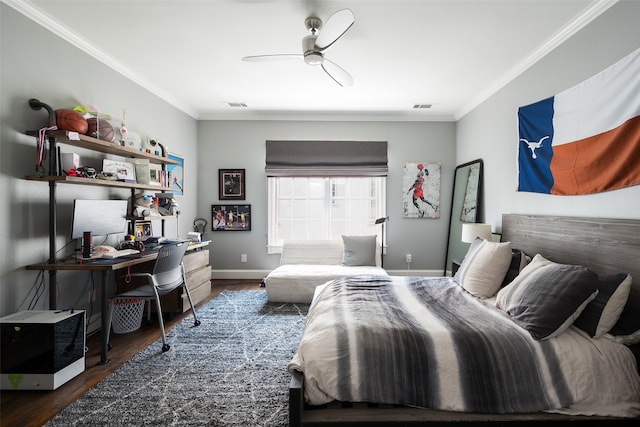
(83,141)
(98,182)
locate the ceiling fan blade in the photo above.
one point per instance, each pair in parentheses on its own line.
(276,57)
(337,73)
(334,28)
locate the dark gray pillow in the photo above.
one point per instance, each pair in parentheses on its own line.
(518,262)
(603,312)
(359,250)
(547,297)
(627,328)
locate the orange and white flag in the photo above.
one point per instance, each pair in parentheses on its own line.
(586,139)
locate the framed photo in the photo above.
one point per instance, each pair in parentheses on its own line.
(123,171)
(175,174)
(143,230)
(155,175)
(230,217)
(231,182)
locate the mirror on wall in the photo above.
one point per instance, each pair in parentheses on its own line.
(466,205)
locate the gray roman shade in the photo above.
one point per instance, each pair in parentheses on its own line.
(326,158)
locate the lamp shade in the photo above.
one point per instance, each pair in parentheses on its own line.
(472,230)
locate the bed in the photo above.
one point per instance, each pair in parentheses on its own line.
(428,350)
(305,264)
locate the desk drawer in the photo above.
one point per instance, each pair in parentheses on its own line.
(199,283)
(195,260)
(198,277)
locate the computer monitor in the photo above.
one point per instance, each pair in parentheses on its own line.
(100,217)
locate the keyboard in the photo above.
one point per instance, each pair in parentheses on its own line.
(120,253)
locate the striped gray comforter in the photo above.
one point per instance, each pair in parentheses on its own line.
(426,342)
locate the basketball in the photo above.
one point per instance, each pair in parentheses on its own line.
(70,120)
(105,132)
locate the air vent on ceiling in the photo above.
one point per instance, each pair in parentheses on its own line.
(237,104)
(419,106)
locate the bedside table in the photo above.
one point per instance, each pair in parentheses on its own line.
(455,265)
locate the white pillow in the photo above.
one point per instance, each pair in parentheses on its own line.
(484,267)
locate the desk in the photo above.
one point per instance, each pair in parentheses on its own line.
(104,266)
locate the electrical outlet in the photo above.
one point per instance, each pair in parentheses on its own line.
(408,257)
(243,257)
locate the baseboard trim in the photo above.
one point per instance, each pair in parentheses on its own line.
(260,274)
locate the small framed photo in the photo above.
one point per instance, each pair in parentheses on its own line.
(231,184)
(175,174)
(123,171)
(230,217)
(155,175)
(143,230)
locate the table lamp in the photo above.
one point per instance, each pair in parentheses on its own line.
(471,230)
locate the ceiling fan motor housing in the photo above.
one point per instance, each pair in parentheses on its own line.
(311,55)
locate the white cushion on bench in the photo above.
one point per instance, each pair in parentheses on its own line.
(297,282)
(306,264)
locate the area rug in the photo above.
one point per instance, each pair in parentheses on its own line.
(229,371)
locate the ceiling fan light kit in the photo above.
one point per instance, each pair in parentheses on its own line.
(314,45)
(311,55)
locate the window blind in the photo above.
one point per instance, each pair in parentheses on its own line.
(326,158)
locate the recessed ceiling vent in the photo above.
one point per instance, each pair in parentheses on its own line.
(237,104)
(421,106)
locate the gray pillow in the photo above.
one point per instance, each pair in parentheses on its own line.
(359,250)
(547,297)
(603,312)
(627,329)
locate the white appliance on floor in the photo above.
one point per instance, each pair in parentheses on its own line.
(41,349)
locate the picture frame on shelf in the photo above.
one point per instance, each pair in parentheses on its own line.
(231,184)
(123,171)
(143,230)
(231,217)
(155,175)
(175,174)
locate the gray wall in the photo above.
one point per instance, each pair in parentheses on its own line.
(490,131)
(36,63)
(241,144)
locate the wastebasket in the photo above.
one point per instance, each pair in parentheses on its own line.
(126,315)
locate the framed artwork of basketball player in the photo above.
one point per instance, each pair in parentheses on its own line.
(421,190)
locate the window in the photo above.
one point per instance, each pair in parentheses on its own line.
(309,208)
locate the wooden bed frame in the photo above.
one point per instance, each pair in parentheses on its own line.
(604,245)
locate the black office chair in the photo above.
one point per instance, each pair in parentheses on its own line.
(167,275)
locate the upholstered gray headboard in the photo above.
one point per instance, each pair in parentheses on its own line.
(604,245)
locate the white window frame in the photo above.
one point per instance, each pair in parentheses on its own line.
(274,244)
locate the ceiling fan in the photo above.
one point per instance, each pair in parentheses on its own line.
(315,44)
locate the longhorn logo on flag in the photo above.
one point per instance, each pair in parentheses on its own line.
(586,139)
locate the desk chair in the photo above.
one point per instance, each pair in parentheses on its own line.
(167,275)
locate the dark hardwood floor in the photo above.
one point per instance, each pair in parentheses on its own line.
(34,408)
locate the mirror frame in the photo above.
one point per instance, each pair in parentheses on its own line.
(457,200)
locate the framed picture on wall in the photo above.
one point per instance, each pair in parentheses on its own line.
(175,174)
(230,217)
(421,195)
(231,184)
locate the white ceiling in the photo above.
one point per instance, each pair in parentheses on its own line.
(452,54)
